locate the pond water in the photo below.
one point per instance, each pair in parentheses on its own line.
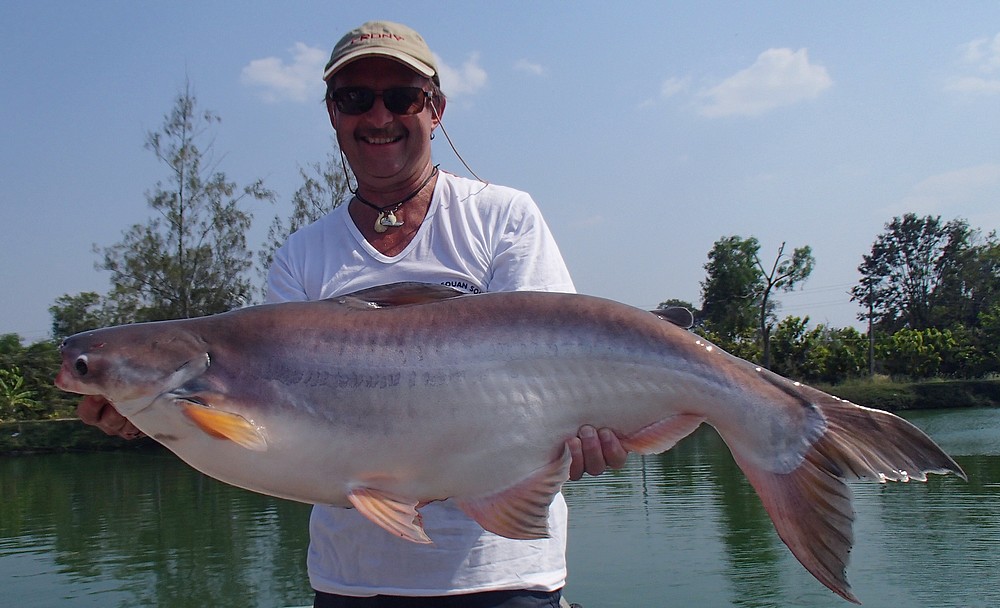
(140,528)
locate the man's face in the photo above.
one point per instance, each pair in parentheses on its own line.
(385,150)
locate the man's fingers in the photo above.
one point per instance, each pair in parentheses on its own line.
(97,411)
(611,447)
(89,409)
(594,452)
(576,452)
(593,455)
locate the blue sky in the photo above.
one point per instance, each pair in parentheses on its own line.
(644,130)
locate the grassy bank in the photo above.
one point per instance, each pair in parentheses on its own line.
(59,436)
(897,396)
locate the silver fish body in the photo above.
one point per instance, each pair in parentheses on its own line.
(393,397)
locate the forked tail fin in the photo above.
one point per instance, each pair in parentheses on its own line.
(811,505)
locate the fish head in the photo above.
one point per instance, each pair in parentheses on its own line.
(131,365)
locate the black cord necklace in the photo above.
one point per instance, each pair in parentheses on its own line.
(387,214)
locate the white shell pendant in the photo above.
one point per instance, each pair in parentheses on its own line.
(386,220)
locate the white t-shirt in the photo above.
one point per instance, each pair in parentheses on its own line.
(476,238)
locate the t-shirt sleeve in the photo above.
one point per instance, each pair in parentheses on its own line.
(526,257)
(282,284)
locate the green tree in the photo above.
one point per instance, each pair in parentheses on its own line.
(82,312)
(30,370)
(730,291)
(847,358)
(16,401)
(324,187)
(671,302)
(191,258)
(983,343)
(820,354)
(968,277)
(785,273)
(744,345)
(797,352)
(907,263)
(737,292)
(916,353)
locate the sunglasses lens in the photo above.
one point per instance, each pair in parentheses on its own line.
(404,100)
(358,100)
(353,100)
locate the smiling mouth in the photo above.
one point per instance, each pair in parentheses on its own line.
(380,138)
(376,141)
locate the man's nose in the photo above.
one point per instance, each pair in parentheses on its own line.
(379,115)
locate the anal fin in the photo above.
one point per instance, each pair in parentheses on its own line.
(396,515)
(661,435)
(522,511)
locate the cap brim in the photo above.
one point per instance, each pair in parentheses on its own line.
(418,66)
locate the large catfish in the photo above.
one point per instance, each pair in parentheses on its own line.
(395,396)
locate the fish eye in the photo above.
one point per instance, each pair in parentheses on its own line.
(81,365)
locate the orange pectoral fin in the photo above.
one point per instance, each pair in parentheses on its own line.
(226,425)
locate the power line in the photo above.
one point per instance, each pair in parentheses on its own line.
(825,288)
(811,305)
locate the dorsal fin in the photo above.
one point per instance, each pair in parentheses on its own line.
(678,315)
(399,294)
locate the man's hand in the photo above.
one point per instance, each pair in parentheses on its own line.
(595,451)
(97,411)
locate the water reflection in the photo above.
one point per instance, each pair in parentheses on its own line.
(917,544)
(134,529)
(679,529)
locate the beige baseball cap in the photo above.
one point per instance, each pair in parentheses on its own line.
(385,39)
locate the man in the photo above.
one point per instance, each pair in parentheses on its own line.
(408,221)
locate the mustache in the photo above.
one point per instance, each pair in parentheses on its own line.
(385,133)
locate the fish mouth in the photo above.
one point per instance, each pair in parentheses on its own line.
(61,382)
(67,381)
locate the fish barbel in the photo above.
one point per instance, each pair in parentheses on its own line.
(396,396)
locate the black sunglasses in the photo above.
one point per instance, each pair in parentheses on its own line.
(398,100)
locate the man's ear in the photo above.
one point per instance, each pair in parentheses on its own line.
(332,111)
(438,102)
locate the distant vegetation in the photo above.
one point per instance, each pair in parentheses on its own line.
(929,292)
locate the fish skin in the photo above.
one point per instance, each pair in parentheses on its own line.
(396,396)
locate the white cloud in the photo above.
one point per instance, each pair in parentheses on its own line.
(979,69)
(967,191)
(973,85)
(673,86)
(300,80)
(467,79)
(983,54)
(529,67)
(779,77)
